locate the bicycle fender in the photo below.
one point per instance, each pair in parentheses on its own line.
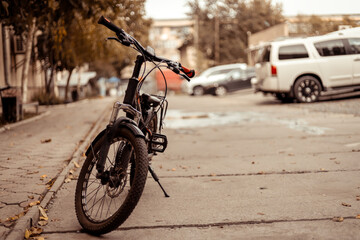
(96,139)
(129,124)
(122,122)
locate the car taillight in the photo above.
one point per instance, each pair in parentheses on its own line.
(273,70)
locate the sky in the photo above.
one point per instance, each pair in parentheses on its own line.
(168,9)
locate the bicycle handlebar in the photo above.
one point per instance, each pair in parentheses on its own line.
(107,23)
(127,40)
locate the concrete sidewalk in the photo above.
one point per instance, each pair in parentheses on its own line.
(33,153)
(273,172)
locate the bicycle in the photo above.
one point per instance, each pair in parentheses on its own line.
(114,172)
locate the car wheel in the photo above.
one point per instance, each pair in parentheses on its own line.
(307,89)
(220,91)
(198,91)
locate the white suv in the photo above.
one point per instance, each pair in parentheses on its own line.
(209,79)
(306,68)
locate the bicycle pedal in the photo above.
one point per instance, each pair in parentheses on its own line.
(158,142)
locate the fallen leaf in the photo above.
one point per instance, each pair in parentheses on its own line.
(358,198)
(27,234)
(212,174)
(173,169)
(35,231)
(67,180)
(43,213)
(46,140)
(43,176)
(42,223)
(76,165)
(346,204)
(358,216)
(34,203)
(338,219)
(31,197)
(252,162)
(333,158)
(260,213)
(50,182)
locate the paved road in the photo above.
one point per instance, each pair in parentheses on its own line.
(33,154)
(239,167)
(243,167)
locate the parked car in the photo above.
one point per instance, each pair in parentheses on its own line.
(305,68)
(235,80)
(210,79)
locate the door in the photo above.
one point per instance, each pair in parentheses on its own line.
(335,64)
(355,53)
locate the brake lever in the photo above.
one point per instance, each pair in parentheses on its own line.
(113,38)
(185,76)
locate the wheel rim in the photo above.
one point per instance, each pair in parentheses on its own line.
(101,201)
(308,90)
(220,91)
(198,91)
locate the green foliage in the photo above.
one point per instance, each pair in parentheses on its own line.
(70,35)
(235,19)
(45,98)
(315,25)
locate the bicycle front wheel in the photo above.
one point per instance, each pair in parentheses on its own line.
(104,201)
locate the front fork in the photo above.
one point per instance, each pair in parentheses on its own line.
(100,165)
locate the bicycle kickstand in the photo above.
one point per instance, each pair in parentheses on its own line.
(153,174)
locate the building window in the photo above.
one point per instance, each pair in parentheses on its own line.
(19,46)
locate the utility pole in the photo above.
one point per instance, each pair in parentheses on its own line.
(217,39)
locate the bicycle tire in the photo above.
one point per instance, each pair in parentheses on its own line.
(121,213)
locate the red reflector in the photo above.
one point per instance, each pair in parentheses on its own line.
(273,70)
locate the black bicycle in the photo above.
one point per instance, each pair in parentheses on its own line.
(114,173)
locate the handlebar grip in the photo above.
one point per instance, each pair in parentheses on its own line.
(188,72)
(104,21)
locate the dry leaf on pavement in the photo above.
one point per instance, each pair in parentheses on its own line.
(43,216)
(43,223)
(46,140)
(346,204)
(338,219)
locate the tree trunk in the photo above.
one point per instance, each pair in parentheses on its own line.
(48,86)
(67,85)
(25,70)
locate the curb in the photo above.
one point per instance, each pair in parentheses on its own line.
(13,125)
(32,216)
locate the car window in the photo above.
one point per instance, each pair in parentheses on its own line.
(222,71)
(264,54)
(293,52)
(330,48)
(354,45)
